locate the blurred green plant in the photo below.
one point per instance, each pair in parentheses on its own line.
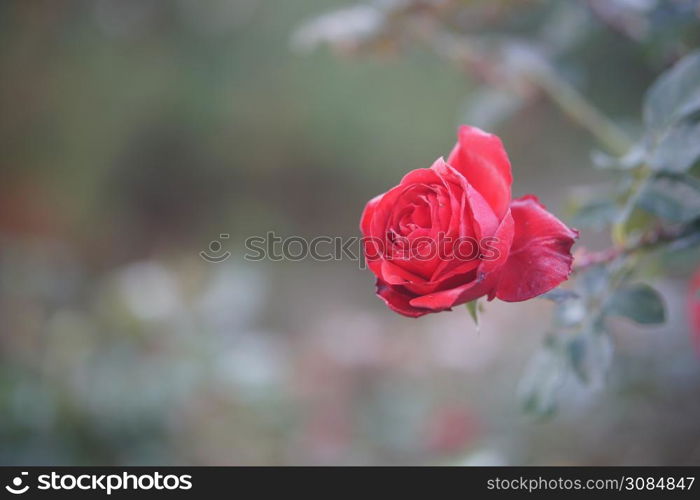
(653,208)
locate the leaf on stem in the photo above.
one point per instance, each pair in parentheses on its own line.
(543,378)
(679,148)
(671,110)
(590,354)
(674,95)
(672,197)
(473,308)
(638,302)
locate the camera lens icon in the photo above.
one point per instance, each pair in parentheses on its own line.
(214,253)
(16,487)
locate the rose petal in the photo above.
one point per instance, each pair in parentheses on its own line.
(455,266)
(475,215)
(398,301)
(540,257)
(391,200)
(446,299)
(484,219)
(482,223)
(395,274)
(481,158)
(495,251)
(368,213)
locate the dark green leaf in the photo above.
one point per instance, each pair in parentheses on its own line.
(473,308)
(638,302)
(577,354)
(543,379)
(689,238)
(672,197)
(674,95)
(678,148)
(590,354)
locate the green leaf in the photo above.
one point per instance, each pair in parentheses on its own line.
(473,308)
(576,349)
(590,354)
(543,379)
(678,148)
(638,302)
(674,95)
(672,197)
(689,238)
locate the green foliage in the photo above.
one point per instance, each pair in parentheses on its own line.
(656,173)
(679,148)
(671,117)
(675,198)
(674,96)
(590,355)
(543,378)
(639,302)
(671,145)
(578,359)
(688,238)
(653,205)
(473,308)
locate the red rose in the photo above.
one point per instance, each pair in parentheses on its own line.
(449,234)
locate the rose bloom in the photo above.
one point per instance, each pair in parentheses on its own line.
(451,233)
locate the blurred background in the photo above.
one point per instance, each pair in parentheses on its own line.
(134,132)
